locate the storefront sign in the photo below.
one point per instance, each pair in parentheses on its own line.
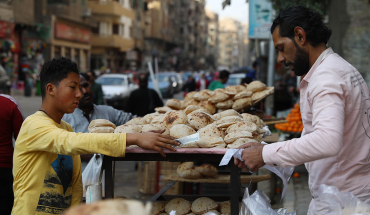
(260,19)
(66,32)
(6,29)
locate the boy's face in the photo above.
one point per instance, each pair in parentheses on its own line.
(68,93)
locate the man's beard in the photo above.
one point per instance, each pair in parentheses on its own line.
(301,63)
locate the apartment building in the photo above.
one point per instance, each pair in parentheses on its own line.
(112,37)
(212,48)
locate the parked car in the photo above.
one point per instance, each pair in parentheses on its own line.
(167,84)
(4,81)
(117,89)
(235,79)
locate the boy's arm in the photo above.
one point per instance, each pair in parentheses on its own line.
(76,181)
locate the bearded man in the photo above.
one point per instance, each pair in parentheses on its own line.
(335,104)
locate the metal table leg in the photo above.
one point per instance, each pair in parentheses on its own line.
(235,188)
(109,186)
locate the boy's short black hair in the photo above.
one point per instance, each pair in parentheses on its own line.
(55,71)
(224,74)
(300,16)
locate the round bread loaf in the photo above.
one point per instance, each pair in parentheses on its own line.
(243,126)
(218,96)
(111,207)
(231,90)
(181,130)
(239,142)
(158,119)
(210,136)
(163,109)
(174,104)
(207,170)
(227,121)
(190,174)
(181,206)
(158,207)
(103,129)
(199,120)
(173,118)
(208,106)
(150,117)
(225,113)
(241,88)
(137,121)
(201,110)
(100,123)
(190,109)
(189,96)
(201,96)
(243,94)
(242,103)
(224,207)
(191,102)
(203,205)
(185,166)
(256,86)
(231,137)
(128,129)
(155,127)
(225,104)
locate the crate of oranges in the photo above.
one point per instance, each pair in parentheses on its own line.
(294,124)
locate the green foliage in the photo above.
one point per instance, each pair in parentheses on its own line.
(317,5)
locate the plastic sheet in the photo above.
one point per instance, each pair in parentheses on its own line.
(92,173)
(331,201)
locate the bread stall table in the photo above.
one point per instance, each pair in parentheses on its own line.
(181,155)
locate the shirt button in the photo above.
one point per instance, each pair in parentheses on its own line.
(275,164)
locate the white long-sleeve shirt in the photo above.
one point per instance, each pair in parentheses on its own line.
(335,142)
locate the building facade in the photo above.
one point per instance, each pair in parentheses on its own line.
(212,48)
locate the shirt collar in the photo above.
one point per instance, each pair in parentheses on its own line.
(320,59)
(79,111)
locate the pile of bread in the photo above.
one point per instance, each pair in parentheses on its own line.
(188,170)
(200,206)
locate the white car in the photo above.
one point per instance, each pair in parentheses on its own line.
(235,79)
(117,89)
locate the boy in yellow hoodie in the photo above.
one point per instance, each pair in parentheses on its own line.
(46,163)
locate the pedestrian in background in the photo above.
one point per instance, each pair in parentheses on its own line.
(252,72)
(96,89)
(11,119)
(143,100)
(189,86)
(202,83)
(88,111)
(222,79)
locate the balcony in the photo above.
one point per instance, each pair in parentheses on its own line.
(113,41)
(111,8)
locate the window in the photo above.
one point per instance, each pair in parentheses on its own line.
(115,29)
(67,53)
(57,52)
(76,57)
(103,28)
(95,30)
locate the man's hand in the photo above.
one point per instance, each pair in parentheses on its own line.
(152,141)
(252,156)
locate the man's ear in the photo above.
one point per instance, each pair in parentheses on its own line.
(50,89)
(300,36)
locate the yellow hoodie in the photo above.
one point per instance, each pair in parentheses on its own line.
(47,165)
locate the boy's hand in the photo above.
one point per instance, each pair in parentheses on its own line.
(153,141)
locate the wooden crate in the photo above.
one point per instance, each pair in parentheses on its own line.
(147,177)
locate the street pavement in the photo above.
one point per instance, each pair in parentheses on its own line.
(297,197)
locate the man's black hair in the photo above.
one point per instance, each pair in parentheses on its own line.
(55,71)
(93,74)
(254,64)
(224,74)
(143,79)
(300,16)
(86,76)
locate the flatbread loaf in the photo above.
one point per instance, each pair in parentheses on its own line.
(210,136)
(174,104)
(218,96)
(190,109)
(231,137)
(242,103)
(243,94)
(256,86)
(163,109)
(181,206)
(227,121)
(111,207)
(231,90)
(203,205)
(225,113)
(155,127)
(189,96)
(158,119)
(244,126)
(150,117)
(224,207)
(158,207)
(185,166)
(190,174)
(241,88)
(208,106)
(103,129)
(207,170)
(128,129)
(101,123)
(201,96)
(191,102)
(181,130)
(173,118)
(137,121)
(201,110)
(225,104)
(199,120)
(239,142)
